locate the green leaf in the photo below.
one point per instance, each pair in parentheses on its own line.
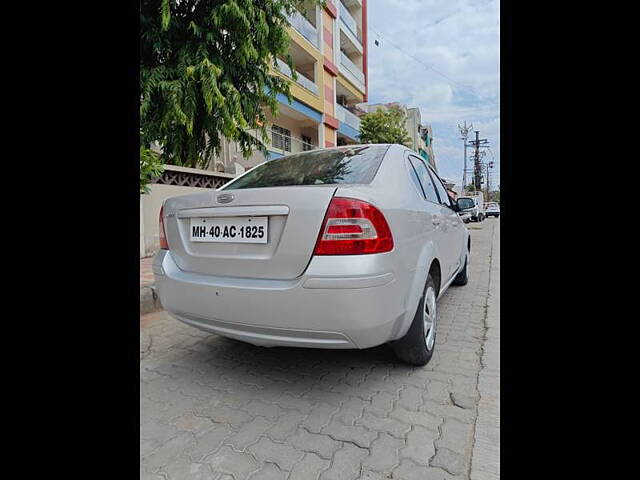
(205,72)
(166,14)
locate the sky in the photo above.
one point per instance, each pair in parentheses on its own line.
(456,76)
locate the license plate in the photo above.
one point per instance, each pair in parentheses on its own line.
(229,229)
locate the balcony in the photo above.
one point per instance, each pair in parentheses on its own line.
(303,26)
(301,80)
(350,22)
(347,117)
(285,144)
(352,72)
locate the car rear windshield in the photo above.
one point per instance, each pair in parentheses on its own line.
(357,165)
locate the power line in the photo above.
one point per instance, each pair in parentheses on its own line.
(431,67)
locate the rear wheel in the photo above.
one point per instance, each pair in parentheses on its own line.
(416,347)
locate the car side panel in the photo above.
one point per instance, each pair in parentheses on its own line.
(416,244)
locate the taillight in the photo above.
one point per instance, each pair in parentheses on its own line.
(353,227)
(163,236)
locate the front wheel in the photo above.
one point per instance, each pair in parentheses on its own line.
(416,347)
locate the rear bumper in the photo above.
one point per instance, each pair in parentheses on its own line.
(361,308)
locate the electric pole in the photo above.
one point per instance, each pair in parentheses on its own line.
(488,179)
(488,165)
(477,155)
(464,133)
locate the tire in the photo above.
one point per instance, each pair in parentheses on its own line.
(463,277)
(414,347)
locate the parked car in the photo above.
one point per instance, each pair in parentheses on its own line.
(345,247)
(473,205)
(492,209)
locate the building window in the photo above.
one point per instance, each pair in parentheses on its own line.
(281,138)
(306,143)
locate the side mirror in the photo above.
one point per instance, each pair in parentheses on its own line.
(455,206)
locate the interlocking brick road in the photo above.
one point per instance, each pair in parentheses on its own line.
(214,408)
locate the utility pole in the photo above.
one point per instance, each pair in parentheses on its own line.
(488,165)
(464,133)
(477,155)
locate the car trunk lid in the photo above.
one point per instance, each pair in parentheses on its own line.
(294,216)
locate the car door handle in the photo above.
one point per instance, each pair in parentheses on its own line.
(435,220)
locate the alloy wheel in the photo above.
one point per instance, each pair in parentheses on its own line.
(430,317)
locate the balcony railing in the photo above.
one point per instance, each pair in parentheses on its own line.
(350,22)
(286,144)
(301,80)
(304,27)
(347,117)
(351,67)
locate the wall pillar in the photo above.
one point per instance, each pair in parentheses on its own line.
(329,73)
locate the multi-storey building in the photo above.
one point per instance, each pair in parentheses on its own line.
(426,145)
(329,50)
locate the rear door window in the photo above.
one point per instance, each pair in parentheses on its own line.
(415,179)
(425,179)
(347,165)
(442,192)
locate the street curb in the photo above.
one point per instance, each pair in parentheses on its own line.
(485,457)
(149,301)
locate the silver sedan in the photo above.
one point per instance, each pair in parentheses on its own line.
(346,247)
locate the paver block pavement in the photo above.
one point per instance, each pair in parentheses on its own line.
(216,408)
(383,456)
(420,447)
(346,463)
(309,468)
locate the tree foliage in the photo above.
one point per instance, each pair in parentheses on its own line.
(150,168)
(204,72)
(384,126)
